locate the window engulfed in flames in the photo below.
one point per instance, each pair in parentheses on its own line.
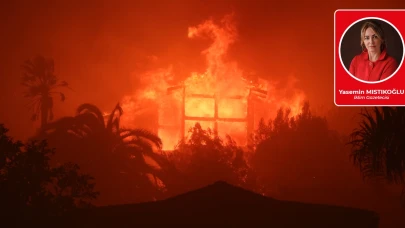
(226,112)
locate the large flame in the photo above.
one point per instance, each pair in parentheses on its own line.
(216,98)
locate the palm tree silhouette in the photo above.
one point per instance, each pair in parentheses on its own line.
(378,146)
(111,152)
(41,82)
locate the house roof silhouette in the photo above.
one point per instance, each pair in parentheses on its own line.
(224,204)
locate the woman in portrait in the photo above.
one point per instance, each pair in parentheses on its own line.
(373,64)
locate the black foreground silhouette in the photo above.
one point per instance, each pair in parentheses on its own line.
(221,204)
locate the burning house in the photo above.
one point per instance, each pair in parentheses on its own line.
(222,98)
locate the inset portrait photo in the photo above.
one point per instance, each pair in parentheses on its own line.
(371,50)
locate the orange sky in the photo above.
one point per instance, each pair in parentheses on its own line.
(98,47)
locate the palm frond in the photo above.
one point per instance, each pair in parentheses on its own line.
(144,146)
(141,133)
(114,118)
(91,109)
(63,84)
(90,121)
(61,124)
(140,166)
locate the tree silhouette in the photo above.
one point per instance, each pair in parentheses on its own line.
(41,84)
(116,156)
(203,158)
(294,154)
(30,186)
(378,148)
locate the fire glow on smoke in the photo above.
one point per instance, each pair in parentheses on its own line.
(222,85)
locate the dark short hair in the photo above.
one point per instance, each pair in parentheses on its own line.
(377,28)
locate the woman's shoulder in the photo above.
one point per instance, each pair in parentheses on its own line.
(391,59)
(357,57)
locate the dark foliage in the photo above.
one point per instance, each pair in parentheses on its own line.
(203,157)
(31,187)
(294,154)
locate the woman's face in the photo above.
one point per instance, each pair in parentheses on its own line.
(372,41)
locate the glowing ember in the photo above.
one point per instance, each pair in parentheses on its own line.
(219,98)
